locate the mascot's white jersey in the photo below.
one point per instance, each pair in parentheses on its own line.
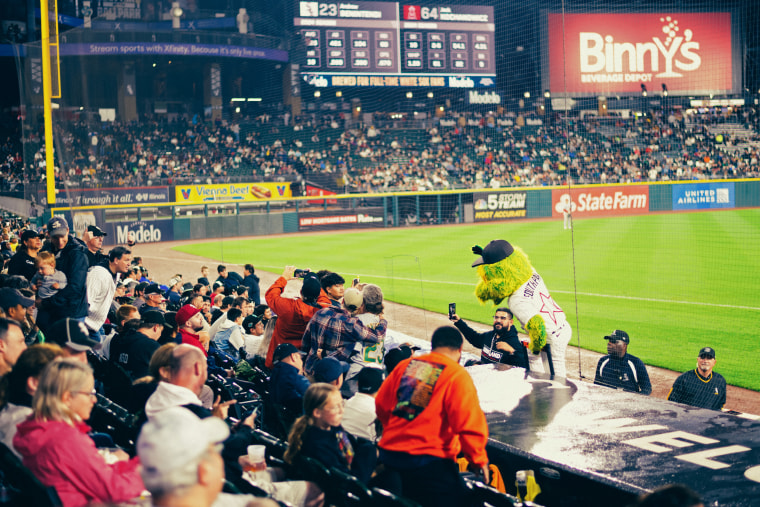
(533,298)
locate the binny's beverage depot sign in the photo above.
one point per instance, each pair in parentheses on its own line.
(601,54)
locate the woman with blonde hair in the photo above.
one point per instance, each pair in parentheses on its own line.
(54,444)
(318,434)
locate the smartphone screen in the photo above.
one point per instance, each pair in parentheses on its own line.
(452,309)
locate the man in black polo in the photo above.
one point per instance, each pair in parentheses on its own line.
(501,344)
(621,370)
(701,387)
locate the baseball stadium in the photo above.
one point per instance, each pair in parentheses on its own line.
(517,237)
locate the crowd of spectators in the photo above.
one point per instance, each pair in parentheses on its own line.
(338,395)
(463,150)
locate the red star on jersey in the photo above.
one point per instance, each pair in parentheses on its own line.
(549,307)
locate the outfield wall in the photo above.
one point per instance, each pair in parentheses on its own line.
(198,220)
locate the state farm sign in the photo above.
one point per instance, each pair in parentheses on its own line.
(616,53)
(601,201)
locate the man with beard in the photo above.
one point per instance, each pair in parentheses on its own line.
(501,344)
(619,369)
(701,387)
(190,324)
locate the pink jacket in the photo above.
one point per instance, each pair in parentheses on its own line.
(66,458)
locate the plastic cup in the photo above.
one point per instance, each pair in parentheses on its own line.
(257,457)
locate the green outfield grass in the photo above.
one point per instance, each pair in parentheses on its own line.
(674,282)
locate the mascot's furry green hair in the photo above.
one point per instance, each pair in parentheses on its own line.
(506,273)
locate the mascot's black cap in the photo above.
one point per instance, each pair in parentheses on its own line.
(495,251)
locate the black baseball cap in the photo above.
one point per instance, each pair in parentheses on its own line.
(494,252)
(618,335)
(250,322)
(153,289)
(369,379)
(96,231)
(329,369)
(10,297)
(153,317)
(71,333)
(31,233)
(707,351)
(282,351)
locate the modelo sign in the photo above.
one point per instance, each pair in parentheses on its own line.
(601,201)
(617,53)
(131,233)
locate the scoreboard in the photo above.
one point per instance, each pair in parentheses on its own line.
(393,44)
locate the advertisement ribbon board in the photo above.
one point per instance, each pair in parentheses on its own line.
(231,192)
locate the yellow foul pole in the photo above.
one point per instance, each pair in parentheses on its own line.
(47,93)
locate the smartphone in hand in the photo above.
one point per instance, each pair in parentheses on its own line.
(452,309)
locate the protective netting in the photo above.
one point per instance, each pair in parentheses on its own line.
(220,110)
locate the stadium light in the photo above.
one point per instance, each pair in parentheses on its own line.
(664,89)
(526,95)
(176,14)
(430,95)
(409,95)
(547,94)
(339,93)
(317,94)
(643,90)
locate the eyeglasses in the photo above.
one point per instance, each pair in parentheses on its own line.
(92,394)
(705,356)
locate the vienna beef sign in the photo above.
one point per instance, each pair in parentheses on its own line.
(601,201)
(617,53)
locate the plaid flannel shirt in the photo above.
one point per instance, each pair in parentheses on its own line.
(336,332)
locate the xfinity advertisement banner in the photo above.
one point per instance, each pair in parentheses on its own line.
(341,219)
(703,196)
(601,201)
(492,206)
(107,196)
(617,53)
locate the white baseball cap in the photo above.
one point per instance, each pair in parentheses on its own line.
(173,438)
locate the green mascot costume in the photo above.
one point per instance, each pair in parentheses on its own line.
(506,273)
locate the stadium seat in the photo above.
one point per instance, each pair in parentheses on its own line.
(486,495)
(24,488)
(350,489)
(383,498)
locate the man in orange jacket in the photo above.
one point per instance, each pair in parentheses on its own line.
(430,412)
(293,314)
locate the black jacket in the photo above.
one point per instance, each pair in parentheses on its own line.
(22,264)
(487,343)
(254,293)
(133,351)
(71,301)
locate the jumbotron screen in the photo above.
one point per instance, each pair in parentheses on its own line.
(368,44)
